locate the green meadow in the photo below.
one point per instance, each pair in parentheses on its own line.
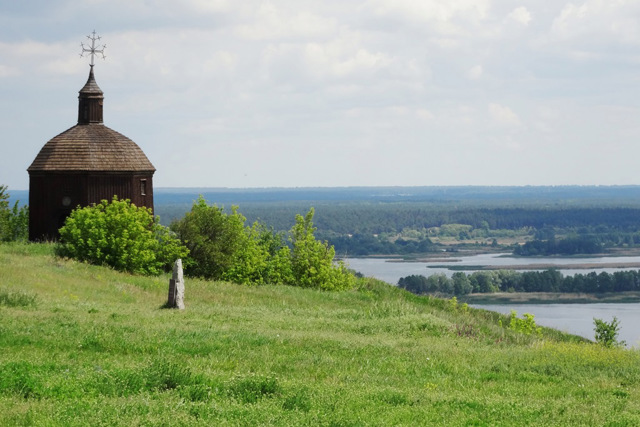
(85,345)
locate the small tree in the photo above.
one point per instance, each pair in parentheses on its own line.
(217,241)
(526,325)
(312,261)
(120,235)
(263,258)
(607,332)
(461,283)
(4,213)
(14,222)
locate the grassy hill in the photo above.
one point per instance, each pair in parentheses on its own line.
(84,345)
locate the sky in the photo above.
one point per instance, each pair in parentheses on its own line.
(308,93)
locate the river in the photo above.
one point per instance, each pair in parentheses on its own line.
(391,270)
(573,318)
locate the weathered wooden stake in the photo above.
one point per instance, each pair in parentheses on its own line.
(176,287)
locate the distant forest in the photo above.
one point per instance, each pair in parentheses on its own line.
(361,221)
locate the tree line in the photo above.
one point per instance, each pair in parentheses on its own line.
(550,280)
(573,245)
(376,218)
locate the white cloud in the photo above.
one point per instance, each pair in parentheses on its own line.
(450,18)
(503,114)
(269,22)
(475,72)
(221,59)
(6,71)
(31,56)
(359,61)
(424,114)
(521,15)
(343,57)
(207,6)
(432,10)
(604,20)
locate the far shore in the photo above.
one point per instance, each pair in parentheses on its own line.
(448,260)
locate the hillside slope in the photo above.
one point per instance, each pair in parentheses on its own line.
(84,345)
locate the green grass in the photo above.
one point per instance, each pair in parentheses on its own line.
(96,348)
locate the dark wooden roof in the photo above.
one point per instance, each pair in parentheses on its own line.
(91,147)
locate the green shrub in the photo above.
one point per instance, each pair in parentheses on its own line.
(213,238)
(452,304)
(120,235)
(223,248)
(14,222)
(312,261)
(526,325)
(607,333)
(263,258)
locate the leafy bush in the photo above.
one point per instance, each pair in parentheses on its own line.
(223,248)
(526,325)
(264,258)
(213,238)
(120,235)
(607,332)
(312,261)
(14,222)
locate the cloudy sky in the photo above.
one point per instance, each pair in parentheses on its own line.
(298,93)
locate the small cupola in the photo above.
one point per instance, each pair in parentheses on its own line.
(90,102)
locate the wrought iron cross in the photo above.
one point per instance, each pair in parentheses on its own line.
(93,49)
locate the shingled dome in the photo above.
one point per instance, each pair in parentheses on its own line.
(84,165)
(91,148)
